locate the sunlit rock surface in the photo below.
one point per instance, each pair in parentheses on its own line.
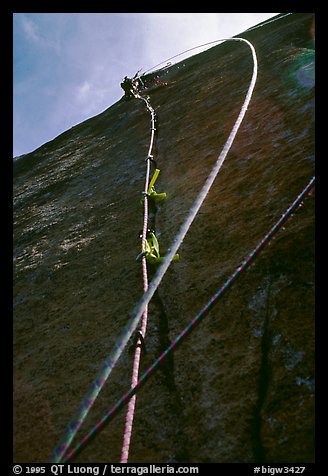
(241,388)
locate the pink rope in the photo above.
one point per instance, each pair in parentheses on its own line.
(137,355)
(265,240)
(93,391)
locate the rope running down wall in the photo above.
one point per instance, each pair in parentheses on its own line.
(120,344)
(137,356)
(191,326)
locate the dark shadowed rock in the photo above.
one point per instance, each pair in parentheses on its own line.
(241,388)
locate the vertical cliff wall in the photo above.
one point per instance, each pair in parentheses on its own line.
(241,389)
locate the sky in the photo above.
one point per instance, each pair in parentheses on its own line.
(68,66)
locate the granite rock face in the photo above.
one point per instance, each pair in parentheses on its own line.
(241,388)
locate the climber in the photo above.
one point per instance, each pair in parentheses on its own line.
(130,87)
(126,85)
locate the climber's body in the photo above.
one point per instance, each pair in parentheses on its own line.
(132,86)
(126,85)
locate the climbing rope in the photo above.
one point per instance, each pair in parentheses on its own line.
(266,22)
(137,355)
(183,53)
(100,425)
(168,63)
(153,285)
(138,311)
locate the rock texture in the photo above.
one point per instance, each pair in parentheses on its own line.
(241,388)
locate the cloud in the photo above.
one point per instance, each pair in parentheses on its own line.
(40,33)
(30,29)
(90,97)
(83,91)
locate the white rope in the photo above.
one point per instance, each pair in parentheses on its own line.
(260,25)
(136,314)
(153,285)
